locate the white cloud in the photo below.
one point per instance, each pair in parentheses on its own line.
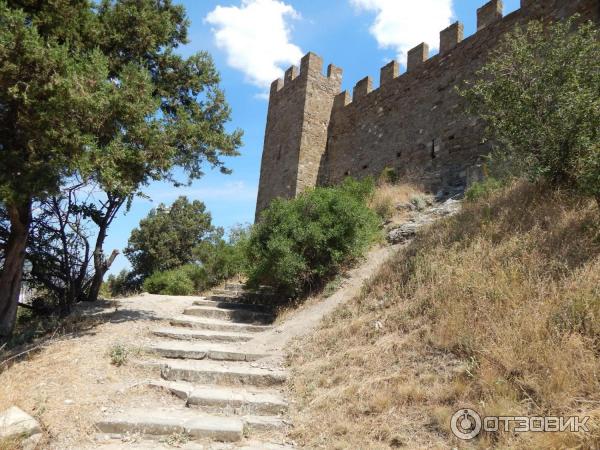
(256,38)
(404,24)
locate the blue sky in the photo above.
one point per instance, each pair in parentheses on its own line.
(253,41)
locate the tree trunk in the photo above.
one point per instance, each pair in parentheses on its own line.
(101,265)
(12,271)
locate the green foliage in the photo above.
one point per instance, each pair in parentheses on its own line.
(539,95)
(222,259)
(95,90)
(587,172)
(52,98)
(197,275)
(118,355)
(298,243)
(166,238)
(170,282)
(482,189)
(360,190)
(120,285)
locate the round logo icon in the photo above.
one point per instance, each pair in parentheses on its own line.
(465,424)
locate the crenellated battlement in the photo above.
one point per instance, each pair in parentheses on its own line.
(411,121)
(489,13)
(311,65)
(450,38)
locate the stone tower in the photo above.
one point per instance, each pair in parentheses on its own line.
(298,118)
(412,122)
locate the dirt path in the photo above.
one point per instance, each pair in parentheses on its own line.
(308,316)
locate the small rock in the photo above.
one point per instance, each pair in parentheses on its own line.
(69,401)
(32,442)
(16,423)
(403,233)
(448,208)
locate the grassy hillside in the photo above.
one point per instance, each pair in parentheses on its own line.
(496,308)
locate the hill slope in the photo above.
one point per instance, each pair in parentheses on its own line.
(496,308)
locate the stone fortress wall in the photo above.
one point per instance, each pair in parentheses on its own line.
(317,135)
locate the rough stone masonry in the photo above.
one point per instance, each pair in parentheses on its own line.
(317,135)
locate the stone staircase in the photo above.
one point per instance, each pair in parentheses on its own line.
(230,396)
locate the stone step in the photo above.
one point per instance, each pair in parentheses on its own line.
(263,423)
(185,334)
(165,422)
(241,316)
(227,400)
(192,350)
(229,303)
(221,373)
(228,293)
(208,324)
(241,290)
(234,287)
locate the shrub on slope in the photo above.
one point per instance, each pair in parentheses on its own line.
(299,243)
(496,308)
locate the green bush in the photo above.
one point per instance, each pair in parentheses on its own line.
(482,189)
(166,238)
(120,285)
(197,275)
(118,354)
(223,259)
(298,243)
(588,173)
(543,111)
(170,282)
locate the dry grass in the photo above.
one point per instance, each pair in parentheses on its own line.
(387,196)
(496,308)
(10,444)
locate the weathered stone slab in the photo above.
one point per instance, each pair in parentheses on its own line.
(163,422)
(211,398)
(205,323)
(225,373)
(202,335)
(403,233)
(263,423)
(242,316)
(17,424)
(189,350)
